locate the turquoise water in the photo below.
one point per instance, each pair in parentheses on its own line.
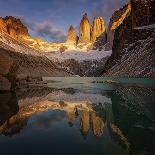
(88,83)
(79,116)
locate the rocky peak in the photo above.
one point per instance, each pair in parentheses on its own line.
(133,44)
(14,27)
(72,36)
(116,20)
(85,30)
(119,16)
(98,28)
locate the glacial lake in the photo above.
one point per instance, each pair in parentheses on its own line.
(79,116)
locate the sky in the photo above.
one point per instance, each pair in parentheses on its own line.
(50,19)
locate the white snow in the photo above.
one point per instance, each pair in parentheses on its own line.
(79,55)
(71,53)
(17,45)
(152,26)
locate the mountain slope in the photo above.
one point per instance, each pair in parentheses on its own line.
(134,43)
(18,62)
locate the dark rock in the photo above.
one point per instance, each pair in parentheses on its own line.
(116,19)
(133,48)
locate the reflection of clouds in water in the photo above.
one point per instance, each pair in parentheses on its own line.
(58,106)
(106,121)
(82,115)
(46,120)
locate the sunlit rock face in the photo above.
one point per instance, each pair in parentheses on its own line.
(98,28)
(3,25)
(19,62)
(98,34)
(14,27)
(134,43)
(85,30)
(94,36)
(116,20)
(72,36)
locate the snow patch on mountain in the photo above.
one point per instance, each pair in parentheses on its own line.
(152,26)
(79,55)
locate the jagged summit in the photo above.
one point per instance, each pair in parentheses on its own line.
(116,20)
(14,27)
(88,34)
(92,35)
(72,36)
(85,30)
(98,28)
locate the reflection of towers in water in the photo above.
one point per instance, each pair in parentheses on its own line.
(85,122)
(89,119)
(71,116)
(97,125)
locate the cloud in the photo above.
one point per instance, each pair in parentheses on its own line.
(68,12)
(46,30)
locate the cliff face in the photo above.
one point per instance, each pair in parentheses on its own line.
(95,34)
(134,43)
(13,27)
(85,30)
(98,34)
(116,20)
(98,28)
(72,36)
